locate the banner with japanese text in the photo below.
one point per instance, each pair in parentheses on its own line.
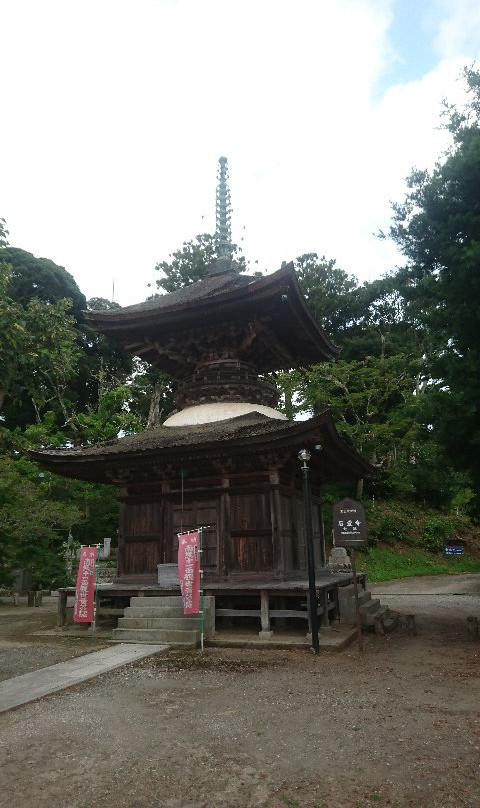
(189,570)
(85,589)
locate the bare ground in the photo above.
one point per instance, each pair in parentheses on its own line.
(395,726)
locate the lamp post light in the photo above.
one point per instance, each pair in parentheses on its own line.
(304,456)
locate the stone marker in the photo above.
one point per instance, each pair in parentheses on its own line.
(339,560)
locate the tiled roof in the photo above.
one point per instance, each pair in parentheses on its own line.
(245,435)
(208,287)
(166,437)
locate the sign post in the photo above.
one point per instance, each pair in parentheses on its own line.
(350,530)
(304,456)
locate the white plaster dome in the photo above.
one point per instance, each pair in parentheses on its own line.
(219,411)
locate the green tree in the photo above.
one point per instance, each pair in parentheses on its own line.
(42,279)
(376,389)
(191,263)
(330,293)
(101,304)
(3,233)
(38,349)
(99,364)
(33,526)
(437,227)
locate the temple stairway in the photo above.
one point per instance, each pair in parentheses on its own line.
(160,620)
(372,613)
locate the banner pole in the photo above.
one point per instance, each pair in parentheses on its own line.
(358,619)
(202,618)
(95,599)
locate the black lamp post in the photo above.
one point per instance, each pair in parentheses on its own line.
(304,456)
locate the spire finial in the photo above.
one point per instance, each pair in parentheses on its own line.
(223,230)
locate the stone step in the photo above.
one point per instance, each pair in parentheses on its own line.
(166,600)
(346,593)
(154,611)
(370,606)
(187,639)
(368,618)
(187,623)
(179,645)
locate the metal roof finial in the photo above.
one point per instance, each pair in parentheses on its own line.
(223,229)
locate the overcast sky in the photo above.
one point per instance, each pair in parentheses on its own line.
(114,114)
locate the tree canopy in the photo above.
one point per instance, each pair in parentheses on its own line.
(437,227)
(42,279)
(191,263)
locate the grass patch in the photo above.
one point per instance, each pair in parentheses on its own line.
(386,564)
(289,801)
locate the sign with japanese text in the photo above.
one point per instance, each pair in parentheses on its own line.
(85,589)
(349,526)
(451,549)
(189,570)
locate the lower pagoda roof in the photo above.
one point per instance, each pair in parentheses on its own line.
(163,448)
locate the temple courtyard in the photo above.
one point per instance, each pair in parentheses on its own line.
(398,725)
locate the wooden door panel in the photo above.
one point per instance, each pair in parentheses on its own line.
(250,512)
(141,557)
(194,515)
(252,553)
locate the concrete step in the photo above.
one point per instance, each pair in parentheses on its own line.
(179,645)
(188,639)
(153,611)
(346,593)
(369,606)
(166,600)
(187,623)
(368,618)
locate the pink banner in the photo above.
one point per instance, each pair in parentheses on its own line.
(189,570)
(85,589)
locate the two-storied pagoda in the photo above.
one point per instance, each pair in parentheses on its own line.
(226,459)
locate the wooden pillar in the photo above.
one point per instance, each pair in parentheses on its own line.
(266,633)
(324,622)
(224,539)
(309,622)
(61,609)
(276,520)
(121,533)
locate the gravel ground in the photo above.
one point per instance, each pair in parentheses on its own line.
(396,726)
(21,651)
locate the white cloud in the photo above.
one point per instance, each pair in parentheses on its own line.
(115,115)
(459,29)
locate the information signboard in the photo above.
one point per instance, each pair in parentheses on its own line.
(349,526)
(450,549)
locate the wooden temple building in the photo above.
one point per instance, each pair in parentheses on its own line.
(226,459)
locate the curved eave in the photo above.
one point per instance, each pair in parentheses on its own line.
(277,298)
(336,462)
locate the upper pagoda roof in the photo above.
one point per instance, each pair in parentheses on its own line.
(265,321)
(169,447)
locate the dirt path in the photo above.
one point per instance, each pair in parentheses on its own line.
(397,726)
